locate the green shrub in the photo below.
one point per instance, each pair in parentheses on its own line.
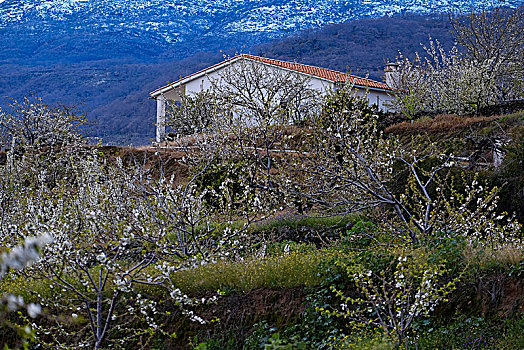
(511,174)
(222,177)
(361,343)
(512,337)
(462,332)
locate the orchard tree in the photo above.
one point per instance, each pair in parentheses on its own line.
(246,93)
(116,230)
(194,114)
(408,289)
(495,37)
(485,68)
(348,165)
(443,82)
(262,95)
(249,111)
(34,124)
(13,260)
(87,217)
(354,166)
(45,136)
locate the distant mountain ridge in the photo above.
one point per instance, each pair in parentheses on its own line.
(156,29)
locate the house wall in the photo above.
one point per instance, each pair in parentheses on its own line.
(171,95)
(380,98)
(204,83)
(175,94)
(160,118)
(374,96)
(321,85)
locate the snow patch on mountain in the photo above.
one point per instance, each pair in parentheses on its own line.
(169,19)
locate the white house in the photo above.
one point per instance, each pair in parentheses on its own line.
(322,79)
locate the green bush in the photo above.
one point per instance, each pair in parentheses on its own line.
(511,174)
(461,333)
(221,177)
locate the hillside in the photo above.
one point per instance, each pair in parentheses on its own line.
(273,290)
(273,219)
(363,46)
(114,92)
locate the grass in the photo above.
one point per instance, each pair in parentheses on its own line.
(290,264)
(465,332)
(34,289)
(285,265)
(452,124)
(485,257)
(300,228)
(517,117)
(292,269)
(362,343)
(300,221)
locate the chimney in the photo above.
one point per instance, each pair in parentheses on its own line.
(391,75)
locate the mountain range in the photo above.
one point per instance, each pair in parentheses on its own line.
(104,56)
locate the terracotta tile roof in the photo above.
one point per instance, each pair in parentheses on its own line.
(325,73)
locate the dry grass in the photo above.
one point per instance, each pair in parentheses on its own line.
(485,256)
(443,123)
(153,160)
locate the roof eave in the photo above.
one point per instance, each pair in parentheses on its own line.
(372,88)
(166,88)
